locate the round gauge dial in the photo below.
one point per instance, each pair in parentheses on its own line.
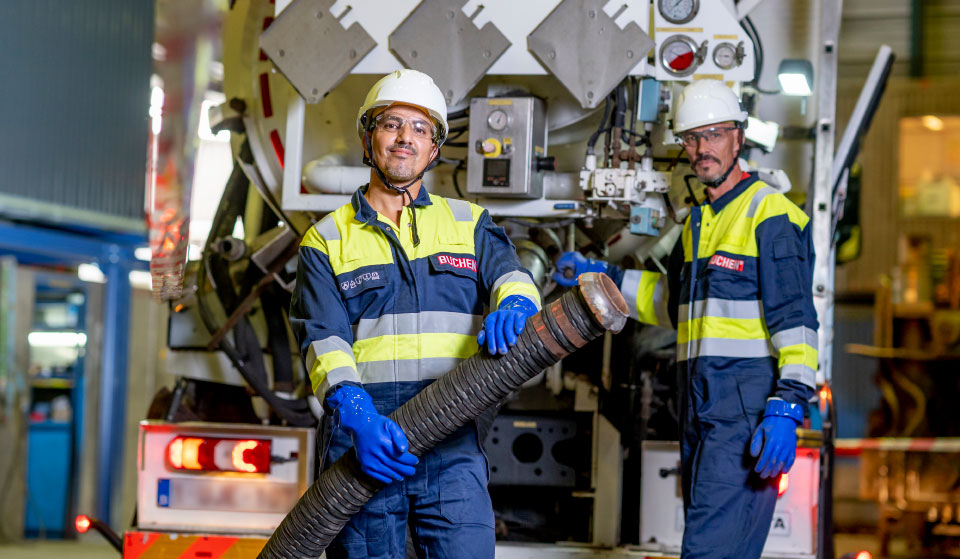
(725,56)
(497,120)
(678,11)
(678,55)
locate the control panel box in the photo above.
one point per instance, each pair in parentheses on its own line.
(507,143)
(220,478)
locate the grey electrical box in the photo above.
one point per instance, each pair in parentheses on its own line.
(508,139)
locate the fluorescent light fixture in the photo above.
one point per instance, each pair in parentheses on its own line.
(796,76)
(932,123)
(143,254)
(91,273)
(57,339)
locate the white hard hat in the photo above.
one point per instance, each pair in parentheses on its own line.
(704,102)
(409,87)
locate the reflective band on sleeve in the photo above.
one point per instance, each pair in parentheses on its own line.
(460,209)
(327,345)
(795,336)
(758,199)
(727,308)
(723,347)
(514,283)
(800,373)
(628,288)
(414,323)
(333,378)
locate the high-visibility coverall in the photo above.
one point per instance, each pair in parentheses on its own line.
(372,309)
(746,331)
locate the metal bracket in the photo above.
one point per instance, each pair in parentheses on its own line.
(439,39)
(586,50)
(312,49)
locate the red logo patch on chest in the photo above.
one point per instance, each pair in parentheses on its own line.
(457,262)
(727,263)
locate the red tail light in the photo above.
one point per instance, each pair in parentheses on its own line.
(205,454)
(82,523)
(782,486)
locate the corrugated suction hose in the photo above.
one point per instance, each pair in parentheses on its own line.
(563,326)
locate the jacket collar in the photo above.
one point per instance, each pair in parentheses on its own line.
(745,182)
(365,212)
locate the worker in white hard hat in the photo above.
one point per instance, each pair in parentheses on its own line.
(391,293)
(739,294)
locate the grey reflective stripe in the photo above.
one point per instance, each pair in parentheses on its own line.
(800,373)
(723,308)
(327,228)
(724,347)
(327,345)
(795,336)
(335,377)
(406,370)
(660,299)
(418,323)
(628,288)
(460,209)
(758,198)
(515,276)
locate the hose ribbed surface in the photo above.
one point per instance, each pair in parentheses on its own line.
(565,325)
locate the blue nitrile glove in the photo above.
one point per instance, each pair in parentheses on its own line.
(777,436)
(502,326)
(571,264)
(380,443)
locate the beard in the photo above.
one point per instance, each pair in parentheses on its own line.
(402,170)
(703,176)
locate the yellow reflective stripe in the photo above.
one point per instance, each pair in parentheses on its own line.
(646,291)
(514,283)
(721,327)
(800,354)
(332,368)
(414,346)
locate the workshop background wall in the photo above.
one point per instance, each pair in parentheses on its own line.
(75,123)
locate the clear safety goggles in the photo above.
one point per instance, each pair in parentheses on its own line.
(710,136)
(393,124)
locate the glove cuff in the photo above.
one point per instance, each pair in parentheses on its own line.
(782,408)
(519,303)
(615,273)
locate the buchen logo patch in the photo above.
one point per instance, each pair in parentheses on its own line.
(358,280)
(727,263)
(457,262)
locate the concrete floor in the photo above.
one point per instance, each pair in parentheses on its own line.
(59,549)
(93,549)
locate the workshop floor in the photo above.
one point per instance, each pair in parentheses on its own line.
(59,550)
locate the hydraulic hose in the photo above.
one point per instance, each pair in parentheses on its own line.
(563,326)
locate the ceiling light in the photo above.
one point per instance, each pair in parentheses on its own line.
(796,76)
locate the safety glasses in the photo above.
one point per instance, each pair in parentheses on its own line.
(710,136)
(393,124)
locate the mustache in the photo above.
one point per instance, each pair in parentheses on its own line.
(407,147)
(703,158)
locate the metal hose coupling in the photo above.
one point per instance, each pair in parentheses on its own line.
(563,326)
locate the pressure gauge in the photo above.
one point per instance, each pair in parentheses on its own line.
(680,56)
(497,120)
(725,56)
(678,11)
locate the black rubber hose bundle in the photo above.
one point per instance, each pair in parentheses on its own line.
(563,326)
